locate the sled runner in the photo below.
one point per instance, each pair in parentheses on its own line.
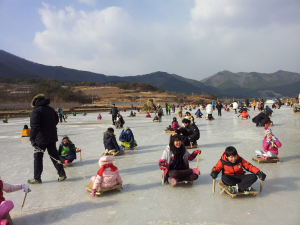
(225,188)
(270,160)
(170,131)
(99,191)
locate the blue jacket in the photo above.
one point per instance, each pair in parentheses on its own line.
(268,110)
(213,103)
(127,137)
(198,113)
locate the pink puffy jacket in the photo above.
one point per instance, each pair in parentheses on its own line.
(108,178)
(8,188)
(268,145)
(174,125)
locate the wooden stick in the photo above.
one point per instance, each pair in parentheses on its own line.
(191,144)
(261,185)
(23,201)
(80,156)
(214,185)
(163,177)
(198,160)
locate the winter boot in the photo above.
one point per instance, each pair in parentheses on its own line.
(34,181)
(196,171)
(62,178)
(232,189)
(173,181)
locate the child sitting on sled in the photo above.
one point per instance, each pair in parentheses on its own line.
(175,162)
(148,115)
(127,139)
(270,146)
(244,114)
(67,150)
(5,119)
(107,176)
(174,125)
(233,174)
(99,117)
(6,205)
(155,118)
(110,143)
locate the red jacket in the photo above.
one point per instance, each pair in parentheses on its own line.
(236,168)
(244,114)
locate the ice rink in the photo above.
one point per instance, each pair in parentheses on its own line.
(144,200)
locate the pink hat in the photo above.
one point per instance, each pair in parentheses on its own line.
(105,160)
(267,130)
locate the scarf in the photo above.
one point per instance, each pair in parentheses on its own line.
(177,162)
(111,166)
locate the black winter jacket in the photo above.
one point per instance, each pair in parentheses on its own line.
(260,117)
(43,123)
(219,106)
(194,133)
(110,142)
(114,111)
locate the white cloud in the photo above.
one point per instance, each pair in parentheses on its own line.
(88,2)
(221,34)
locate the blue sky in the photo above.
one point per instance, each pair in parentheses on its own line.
(191,38)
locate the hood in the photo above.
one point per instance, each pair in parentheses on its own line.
(108,133)
(39,96)
(224,157)
(105,160)
(42,102)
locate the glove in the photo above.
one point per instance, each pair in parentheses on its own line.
(274,138)
(214,174)
(197,152)
(162,162)
(78,150)
(261,175)
(93,192)
(34,144)
(268,139)
(25,187)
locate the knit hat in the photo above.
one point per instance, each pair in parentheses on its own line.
(267,130)
(42,96)
(105,160)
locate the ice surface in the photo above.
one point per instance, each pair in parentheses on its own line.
(144,200)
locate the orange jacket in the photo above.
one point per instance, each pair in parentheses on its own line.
(244,114)
(236,168)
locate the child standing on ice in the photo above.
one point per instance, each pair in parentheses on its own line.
(6,205)
(107,176)
(270,146)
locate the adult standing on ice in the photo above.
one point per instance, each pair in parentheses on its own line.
(43,135)
(114,112)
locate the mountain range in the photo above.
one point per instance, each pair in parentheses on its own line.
(224,83)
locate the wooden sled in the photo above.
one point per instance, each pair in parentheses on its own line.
(244,118)
(84,114)
(116,154)
(7,216)
(99,191)
(260,160)
(5,122)
(67,164)
(25,132)
(170,131)
(198,116)
(224,188)
(155,120)
(269,125)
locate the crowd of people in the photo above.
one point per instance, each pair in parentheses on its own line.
(175,158)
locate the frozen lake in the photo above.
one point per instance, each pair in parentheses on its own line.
(144,200)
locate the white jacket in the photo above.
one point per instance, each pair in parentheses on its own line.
(235,105)
(209,109)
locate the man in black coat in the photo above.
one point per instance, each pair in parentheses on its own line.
(190,133)
(114,112)
(219,107)
(43,135)
(261,119)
